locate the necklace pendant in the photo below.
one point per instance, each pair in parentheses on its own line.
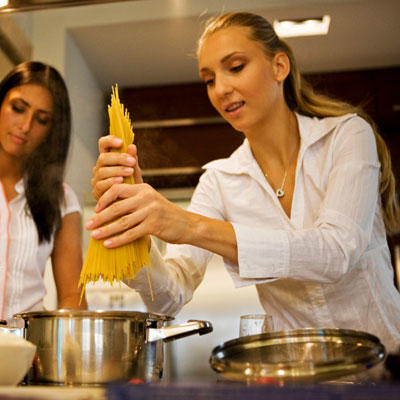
(279,193)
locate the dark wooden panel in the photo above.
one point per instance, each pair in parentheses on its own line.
(355,87)
(388,95)
(167,102)
(191,146)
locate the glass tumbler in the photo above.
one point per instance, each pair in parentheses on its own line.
(252,324)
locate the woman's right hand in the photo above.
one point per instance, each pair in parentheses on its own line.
(141,210)
(112,166)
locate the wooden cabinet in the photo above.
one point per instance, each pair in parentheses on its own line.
(167,102)
(355,87)
(387,87)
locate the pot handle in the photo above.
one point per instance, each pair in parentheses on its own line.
(168,333)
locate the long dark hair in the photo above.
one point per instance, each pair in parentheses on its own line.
(44,168)
(301,97)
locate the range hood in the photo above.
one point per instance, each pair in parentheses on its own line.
(32,5)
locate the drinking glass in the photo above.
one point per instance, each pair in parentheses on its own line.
(252,324)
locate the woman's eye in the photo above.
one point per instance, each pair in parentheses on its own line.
(237,68)
(17,109)
(209,82)
(43,121)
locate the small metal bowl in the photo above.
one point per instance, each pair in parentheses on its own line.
(302,355)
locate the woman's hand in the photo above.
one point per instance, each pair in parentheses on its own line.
(111,166)
(136,211)
(126,212)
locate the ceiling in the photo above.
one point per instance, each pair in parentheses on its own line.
(33,5)
(363,34)
(153,51)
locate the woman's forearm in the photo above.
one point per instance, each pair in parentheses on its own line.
(213,235)
(67,261)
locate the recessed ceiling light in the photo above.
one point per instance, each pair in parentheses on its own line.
(302,27)
(3,3)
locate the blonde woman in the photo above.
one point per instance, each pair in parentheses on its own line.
(300,209)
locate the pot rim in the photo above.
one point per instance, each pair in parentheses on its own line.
(94,314)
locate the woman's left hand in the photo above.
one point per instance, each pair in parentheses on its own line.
(133,211)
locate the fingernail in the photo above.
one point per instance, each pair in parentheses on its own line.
(128,170)
(89,224)
(107,242)
(118,179)
(130,160)
(96,233)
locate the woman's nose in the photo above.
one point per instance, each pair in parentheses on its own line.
(222,87)
(26,122)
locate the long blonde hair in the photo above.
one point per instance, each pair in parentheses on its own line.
(301,98)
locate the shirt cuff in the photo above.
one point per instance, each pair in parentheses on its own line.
(262,253)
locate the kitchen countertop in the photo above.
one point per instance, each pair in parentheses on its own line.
(205,391)
(232,391)
(52,393)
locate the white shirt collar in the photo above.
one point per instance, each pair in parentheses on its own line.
(311,130)
(19,187)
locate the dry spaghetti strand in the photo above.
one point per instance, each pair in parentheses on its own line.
(123,262)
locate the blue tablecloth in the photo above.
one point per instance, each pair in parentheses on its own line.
(233,391)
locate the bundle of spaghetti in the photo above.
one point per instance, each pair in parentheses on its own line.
(122,262)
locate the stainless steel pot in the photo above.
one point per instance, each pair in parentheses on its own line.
(300,355)
(77,347)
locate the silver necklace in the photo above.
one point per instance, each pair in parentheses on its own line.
(280,192)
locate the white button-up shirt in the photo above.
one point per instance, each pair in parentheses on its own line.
(22,258)
(328,265)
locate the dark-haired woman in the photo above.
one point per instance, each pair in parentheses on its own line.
(39,214)
(299,209)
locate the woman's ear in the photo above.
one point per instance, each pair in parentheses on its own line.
(281,66)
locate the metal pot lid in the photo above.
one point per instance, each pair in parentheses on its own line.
(95,314)
(297,356)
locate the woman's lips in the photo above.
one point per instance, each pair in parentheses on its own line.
(18,139)
(234,108)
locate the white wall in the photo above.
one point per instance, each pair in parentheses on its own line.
(89,114)
(5,64)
